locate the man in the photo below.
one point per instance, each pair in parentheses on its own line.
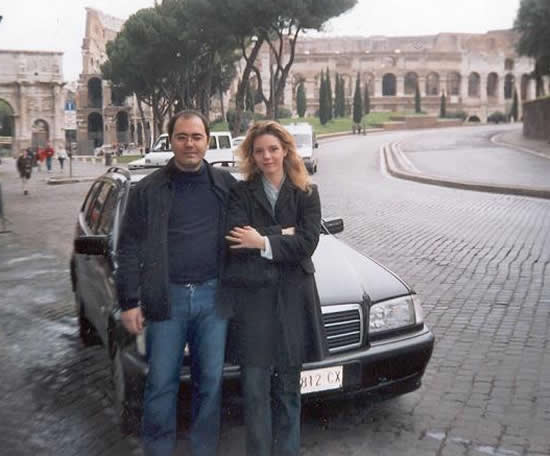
(170,253)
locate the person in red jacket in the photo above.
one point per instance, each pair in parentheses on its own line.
(48,154)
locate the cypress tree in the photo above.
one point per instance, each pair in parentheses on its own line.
(514,114)
(367,99)
(323,100)
(443,106)
(340,98)
(357,102)
(417,100)
(329,96)
(301,100)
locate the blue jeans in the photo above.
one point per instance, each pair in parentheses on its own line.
(196,322)
(272,408)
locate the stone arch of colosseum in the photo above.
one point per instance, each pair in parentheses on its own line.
(470,69)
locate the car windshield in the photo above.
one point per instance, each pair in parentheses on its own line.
(302,140)
(161,145)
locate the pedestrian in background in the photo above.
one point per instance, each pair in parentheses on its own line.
(48,154)
(61,157)
(40,157)
(273,227)
(24,166)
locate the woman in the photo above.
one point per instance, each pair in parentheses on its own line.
(273,226)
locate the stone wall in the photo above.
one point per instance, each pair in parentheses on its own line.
(536,119)
(31,84)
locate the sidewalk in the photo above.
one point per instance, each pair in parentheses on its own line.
(45,218)
(398,165)
(517,140)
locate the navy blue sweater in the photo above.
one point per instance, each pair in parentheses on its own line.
(193,228)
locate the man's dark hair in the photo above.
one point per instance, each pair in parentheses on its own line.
(187,114)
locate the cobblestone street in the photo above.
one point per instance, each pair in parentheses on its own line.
(479,261)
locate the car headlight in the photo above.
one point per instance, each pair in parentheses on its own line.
(395,314)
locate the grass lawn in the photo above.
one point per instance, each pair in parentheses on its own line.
(341,124)
(127,158)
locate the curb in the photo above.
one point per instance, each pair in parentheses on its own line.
(397,167)
(495,139)
(349,133)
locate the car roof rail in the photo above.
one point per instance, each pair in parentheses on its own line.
(118,169)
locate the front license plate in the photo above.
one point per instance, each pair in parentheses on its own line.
(328,378)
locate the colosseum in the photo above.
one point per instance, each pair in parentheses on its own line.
(478,72)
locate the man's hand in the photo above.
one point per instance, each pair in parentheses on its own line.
(133,320)
(245,238)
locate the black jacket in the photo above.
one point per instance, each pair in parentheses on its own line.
(277,318)
(142,254)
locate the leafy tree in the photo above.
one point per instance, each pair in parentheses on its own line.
(357,102)
(250,24)
(366,102)
(443,106)
(533,24)
(137,62)
(301,102)
(417,99)
(329,95)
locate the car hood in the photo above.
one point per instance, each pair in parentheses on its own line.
(344,276)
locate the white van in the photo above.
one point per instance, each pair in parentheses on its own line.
(305,142)
(220,149)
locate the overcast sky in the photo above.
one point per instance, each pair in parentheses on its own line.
(58,25)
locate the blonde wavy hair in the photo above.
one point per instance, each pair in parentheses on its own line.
(293,164)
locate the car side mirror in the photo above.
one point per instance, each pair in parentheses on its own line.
(332,225)
(92,245)
(316,145)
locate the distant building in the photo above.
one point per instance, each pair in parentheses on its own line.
(478,72)
(31,99)
(102,117)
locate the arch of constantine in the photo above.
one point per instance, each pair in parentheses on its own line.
(32,99)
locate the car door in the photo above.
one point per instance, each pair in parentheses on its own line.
(87,217)
(101,267)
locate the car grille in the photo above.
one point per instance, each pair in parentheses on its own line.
(343,326)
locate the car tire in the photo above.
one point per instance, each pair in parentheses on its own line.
(86,331)
(127,412)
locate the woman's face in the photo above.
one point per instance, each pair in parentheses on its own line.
(268,154)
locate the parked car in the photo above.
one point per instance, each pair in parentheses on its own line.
(220,149)
(305,143)
(376,336)
(237,140)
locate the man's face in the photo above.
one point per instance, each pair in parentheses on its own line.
(189,143)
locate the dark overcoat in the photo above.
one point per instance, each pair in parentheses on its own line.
(277,316)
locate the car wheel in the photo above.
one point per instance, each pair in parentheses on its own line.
(128,415)
(86,331)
